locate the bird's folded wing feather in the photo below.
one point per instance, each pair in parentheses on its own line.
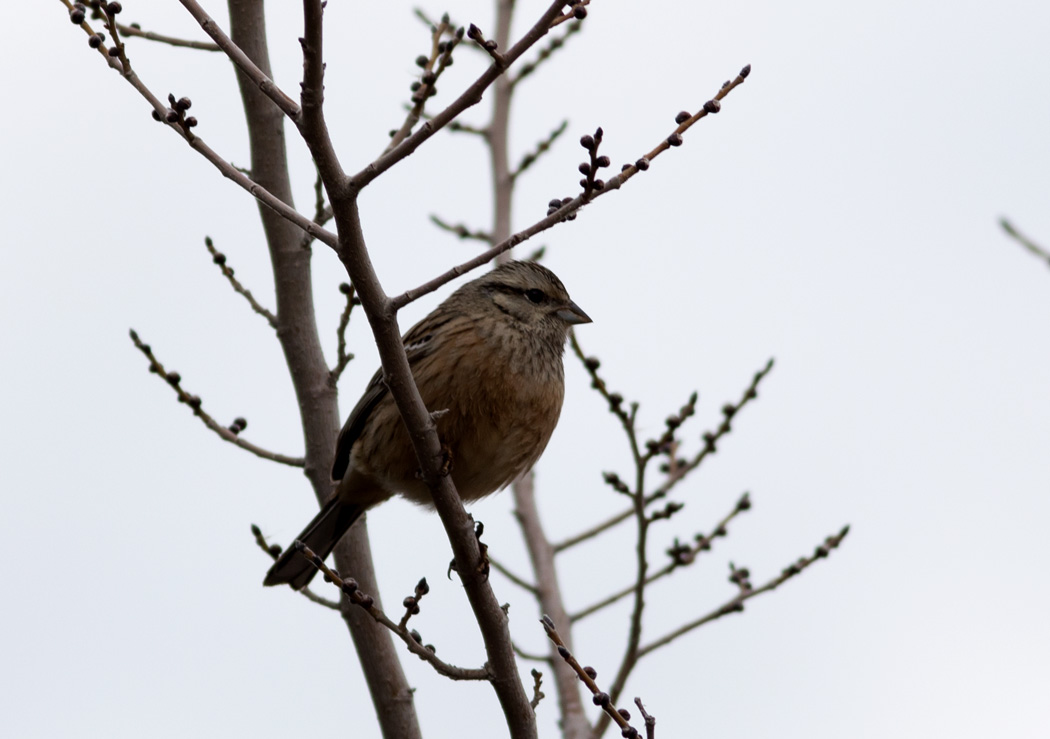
(418,344)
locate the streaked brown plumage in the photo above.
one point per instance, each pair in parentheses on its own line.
(488,363)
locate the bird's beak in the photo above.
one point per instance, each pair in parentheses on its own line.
(573,314)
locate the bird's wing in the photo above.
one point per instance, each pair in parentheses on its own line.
(419,343)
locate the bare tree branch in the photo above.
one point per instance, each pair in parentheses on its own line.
(352,591)
(273,551)
(736,605)
(1024,241)
(220,259)
(566,208)
(231,433)
(343,356)
(136,30)
(587,676)
(262,80)
(681,556)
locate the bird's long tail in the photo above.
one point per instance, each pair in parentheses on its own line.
(320,535)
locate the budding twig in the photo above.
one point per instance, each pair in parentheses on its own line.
(230,433)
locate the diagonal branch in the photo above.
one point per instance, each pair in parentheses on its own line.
(736,605)
(470,97)
(220,259)
(266,85)
(349,588)
(681,556)
(260,193)
(193,401)
(1024,241)
(136,30)
(564,210)
(679,471)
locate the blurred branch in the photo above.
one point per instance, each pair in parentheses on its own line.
(1024,241)
(545,53)
(520,582)
(461,230)
(136,30)
(541,148)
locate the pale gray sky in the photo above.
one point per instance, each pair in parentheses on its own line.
(840,214)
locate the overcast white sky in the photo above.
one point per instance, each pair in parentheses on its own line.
(840,215)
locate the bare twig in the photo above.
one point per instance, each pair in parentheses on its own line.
(135,30)
(519,581)
(564,209)
(231,433)
(160,113)
(736,605)
(1024,241)
(531,657)
(220,259)
(425,87)
(541,148)
(489,46)
(471,96)
(578,12)
(266,85)
(545,53)
(274,551)
(461,230)
(677,472)
(343,356)
(681,556)
(350,589)
(537,682)
(650,721)
(587,676)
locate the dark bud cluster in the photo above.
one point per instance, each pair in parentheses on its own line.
(556,204)
(95,40)
(712,106)
(613,480)
(176,114)
(579,11)
(741,577)
(682,117)
(591,182)
(78,13)
(239,424)
(590,672)
(680,554)
(675,139)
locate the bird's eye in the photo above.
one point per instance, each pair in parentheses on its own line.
(535,295)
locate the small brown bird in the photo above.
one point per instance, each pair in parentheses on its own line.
(488,365)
